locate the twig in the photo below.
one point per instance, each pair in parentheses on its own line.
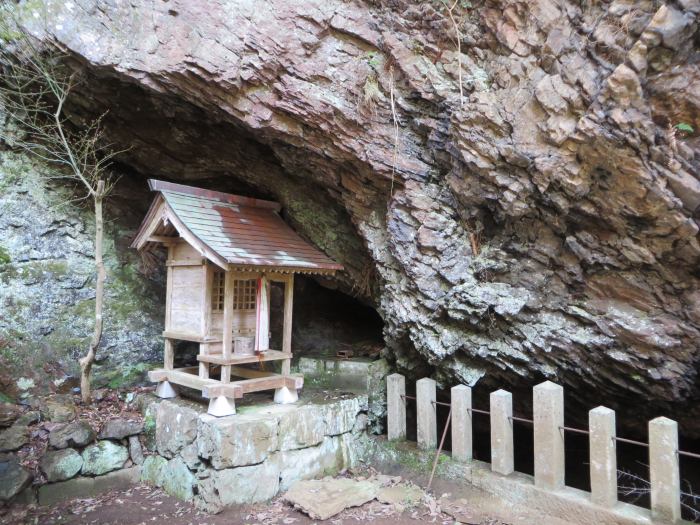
(439,450)
(458,38)
(396,128)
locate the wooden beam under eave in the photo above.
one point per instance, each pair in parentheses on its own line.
(169,292)
(287,325)
(228,315)
(208,280)
(163,239)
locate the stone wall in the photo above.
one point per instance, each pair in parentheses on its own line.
(54,453)
(355,375)
(250,457)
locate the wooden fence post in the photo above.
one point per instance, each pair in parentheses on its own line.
(603,458)
(426,413)
(501,408)
(396,406)
(461,401)
(548,440)
(664,472)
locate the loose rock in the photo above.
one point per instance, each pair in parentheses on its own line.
(8,414)
(400,495)
(135,450)
(322,499)
(29,418)
(58,409)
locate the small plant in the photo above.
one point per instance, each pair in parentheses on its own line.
(672,133)
(684,127)
(4,256)
(36,85)
(395,118)
(372,59)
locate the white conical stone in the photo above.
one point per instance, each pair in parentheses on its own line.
(285,395)
(221,406)
(165,390)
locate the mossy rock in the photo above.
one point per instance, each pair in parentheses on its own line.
(60,465)
(152,470)
(102,457)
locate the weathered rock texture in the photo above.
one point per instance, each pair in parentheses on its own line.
(47,296)
(541,227)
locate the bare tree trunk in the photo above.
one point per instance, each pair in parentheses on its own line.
(87,361)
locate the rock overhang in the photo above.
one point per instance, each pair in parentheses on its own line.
(551,167)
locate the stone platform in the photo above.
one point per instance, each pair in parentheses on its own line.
(251,456)
(358,375)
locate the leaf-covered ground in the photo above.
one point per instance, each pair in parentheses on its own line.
(142,505)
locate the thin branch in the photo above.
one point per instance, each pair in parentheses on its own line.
(458,39)
(396,128)
(34,89)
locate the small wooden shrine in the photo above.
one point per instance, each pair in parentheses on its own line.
(224,251)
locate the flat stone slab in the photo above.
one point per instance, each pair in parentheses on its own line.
(324,498)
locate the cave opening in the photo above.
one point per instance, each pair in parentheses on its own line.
(327,320)
(175,139)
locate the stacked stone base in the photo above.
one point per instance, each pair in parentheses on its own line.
(251,456)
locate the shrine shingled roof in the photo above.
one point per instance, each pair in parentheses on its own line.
(230,230)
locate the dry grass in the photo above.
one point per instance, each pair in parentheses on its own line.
(370,96)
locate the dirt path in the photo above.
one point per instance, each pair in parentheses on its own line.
(145,505)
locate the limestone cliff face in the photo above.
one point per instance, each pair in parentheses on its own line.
(541,226)
(47,291)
